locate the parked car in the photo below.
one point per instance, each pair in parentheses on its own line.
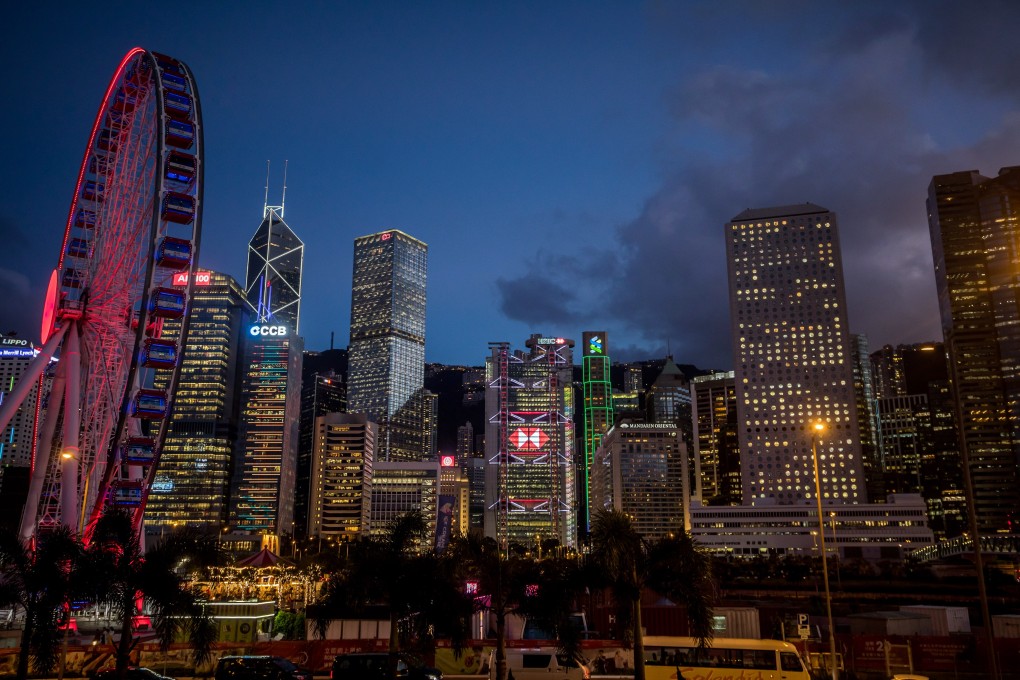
(372,666)
(133,673)
(259,668)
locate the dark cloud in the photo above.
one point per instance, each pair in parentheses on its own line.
(852,129)
(536,299)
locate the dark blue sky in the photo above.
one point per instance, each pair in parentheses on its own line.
(570,164)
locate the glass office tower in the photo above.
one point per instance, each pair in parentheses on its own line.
(193,480)
(387,351)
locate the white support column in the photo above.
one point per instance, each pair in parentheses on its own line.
(29,378)
(42,452)
(69,462)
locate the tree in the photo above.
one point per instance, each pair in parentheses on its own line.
(502,584)
(40,583)
(673,567)
(118,573)
(400,573)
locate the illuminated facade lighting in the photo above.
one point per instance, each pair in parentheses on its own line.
(387,348)
(530,474)
(265,471)
(598,405)
(792,356)
(273,280)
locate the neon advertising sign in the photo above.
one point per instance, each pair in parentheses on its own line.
(268,331)
(201,279)
(448,461)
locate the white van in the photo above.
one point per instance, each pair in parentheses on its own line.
(539,663)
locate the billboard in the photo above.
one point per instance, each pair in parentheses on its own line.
(444,523)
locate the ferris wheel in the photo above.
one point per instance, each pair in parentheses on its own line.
(126,264)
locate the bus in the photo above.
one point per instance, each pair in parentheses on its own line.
(678,658)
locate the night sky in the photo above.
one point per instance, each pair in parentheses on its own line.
(570,164)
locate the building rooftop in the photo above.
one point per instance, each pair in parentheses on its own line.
(779,211)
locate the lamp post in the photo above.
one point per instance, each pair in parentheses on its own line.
(835,550)
(817,429)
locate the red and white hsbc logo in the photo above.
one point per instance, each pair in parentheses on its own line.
(528,438)
(201,278)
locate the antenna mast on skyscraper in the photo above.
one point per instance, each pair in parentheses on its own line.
(283,200)
(265,201)
(278,209)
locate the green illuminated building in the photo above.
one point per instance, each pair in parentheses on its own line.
(598,406)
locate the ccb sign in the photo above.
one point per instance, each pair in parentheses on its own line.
(273,331)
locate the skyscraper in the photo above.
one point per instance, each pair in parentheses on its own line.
(341,475)
(792,356)
(598,406)
(323,391)
(18,439)
(263,486)
(273,281)
(641,469)
(529,443)
(867,418)
(387,349)
(192,484)
(262,491)
(975,234)
(919,450)
(714,399)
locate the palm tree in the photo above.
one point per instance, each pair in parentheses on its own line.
(673,567)
(119,573)
(40,583)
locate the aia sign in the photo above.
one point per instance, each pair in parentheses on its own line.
(201,278)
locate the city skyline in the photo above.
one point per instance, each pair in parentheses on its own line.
(637,133)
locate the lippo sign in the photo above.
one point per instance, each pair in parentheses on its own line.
(201,278)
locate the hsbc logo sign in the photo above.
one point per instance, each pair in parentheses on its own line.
(273,331)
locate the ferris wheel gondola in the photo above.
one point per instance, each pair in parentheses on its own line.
(133,223)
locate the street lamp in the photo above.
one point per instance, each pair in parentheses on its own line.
(817,429)
(835,550)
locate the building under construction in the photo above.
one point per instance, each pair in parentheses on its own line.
(529,444)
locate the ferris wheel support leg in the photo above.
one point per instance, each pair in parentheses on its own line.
(69,463)
(29,378)
(42,452)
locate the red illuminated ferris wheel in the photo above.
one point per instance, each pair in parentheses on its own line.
(134,222)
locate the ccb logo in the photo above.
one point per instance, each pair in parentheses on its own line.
(276,331)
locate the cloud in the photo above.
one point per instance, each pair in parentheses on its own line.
(17,311)
(850,129)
